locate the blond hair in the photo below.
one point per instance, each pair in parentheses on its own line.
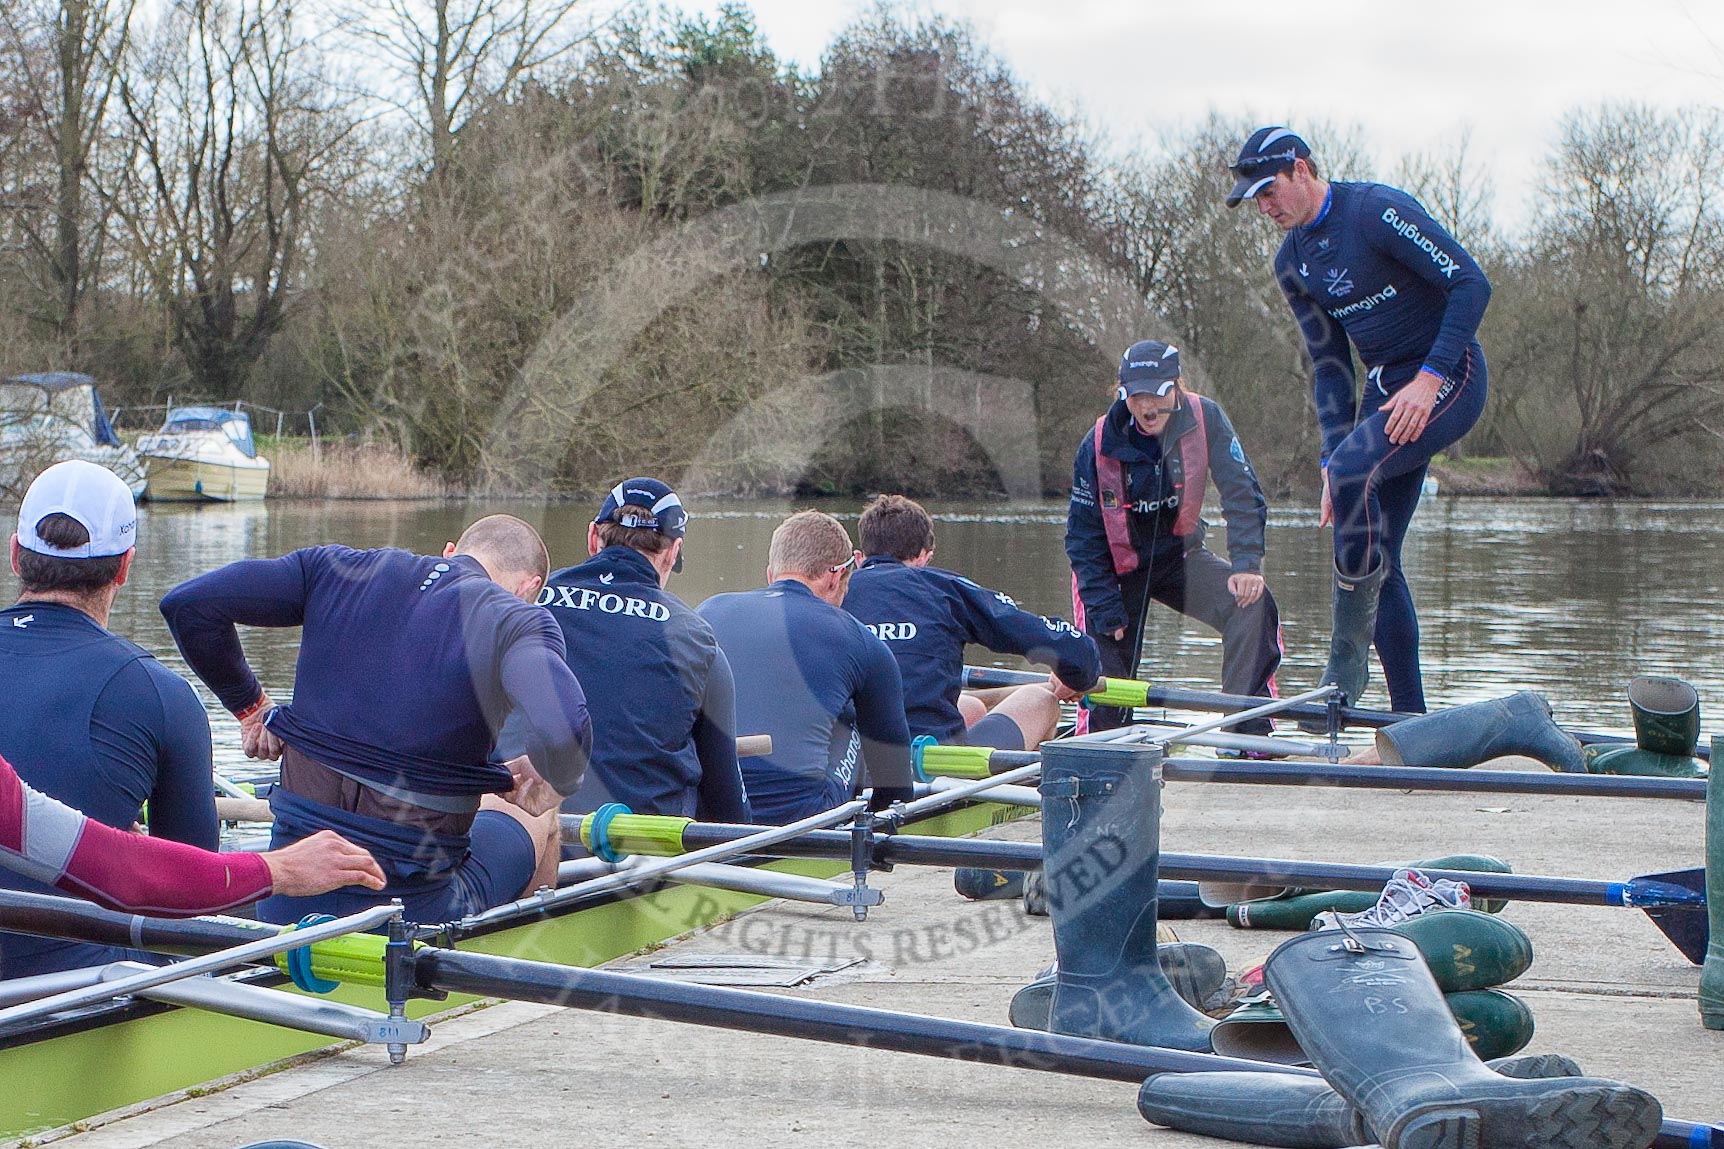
(508,544)
(808,543)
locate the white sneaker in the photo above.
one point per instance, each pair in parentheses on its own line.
(1408,894)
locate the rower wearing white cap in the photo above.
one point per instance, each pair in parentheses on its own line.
(90,718)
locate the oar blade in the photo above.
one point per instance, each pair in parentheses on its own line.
(1685,926)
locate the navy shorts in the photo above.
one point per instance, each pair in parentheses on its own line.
(994,730)
(499,864)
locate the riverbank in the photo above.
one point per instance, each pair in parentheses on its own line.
(341,469)
(1605,987)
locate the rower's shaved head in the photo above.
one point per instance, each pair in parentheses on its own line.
(504,543)
(808,543)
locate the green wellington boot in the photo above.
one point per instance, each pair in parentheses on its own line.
(1495,1023)
(1297,1112)
(1466,951)
(1712,972)
(1374,1023)
(1666,730)
(1353,608)
(1463,736)
(1101,846)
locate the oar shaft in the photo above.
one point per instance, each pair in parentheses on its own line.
(1429,778)
(909,849)
(1180,698)
(45,915)
(635,996)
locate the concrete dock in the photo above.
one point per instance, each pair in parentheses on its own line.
(1605,987)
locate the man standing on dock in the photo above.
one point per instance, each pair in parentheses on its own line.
(1365,267)
(90,718)
(659,689)
(811,676)
(926,615)
(408,667)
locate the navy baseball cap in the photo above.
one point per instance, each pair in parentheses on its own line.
(1269,151)
(1148,367)
(648,504)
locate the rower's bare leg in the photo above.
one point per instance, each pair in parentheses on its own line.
(992,696)
(546,834)
(1367,755)
(1035,710)
(972,708)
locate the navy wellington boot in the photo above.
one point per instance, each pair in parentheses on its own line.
(1280,1109)
(1464,736)
(1196,972)
(1101,845)
(1365,1008)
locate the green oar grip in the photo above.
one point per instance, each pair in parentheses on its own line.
(355,959)
(1120,692)
(613,833)
(932,760)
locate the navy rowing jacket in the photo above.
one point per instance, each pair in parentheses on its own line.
(408,665)
(659,689)
(94,721)
(1376,269)
(926,615)
(827,691)
(1150,464)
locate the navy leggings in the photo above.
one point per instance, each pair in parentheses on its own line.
(1374,487)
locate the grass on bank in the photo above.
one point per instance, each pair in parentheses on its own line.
(343,469)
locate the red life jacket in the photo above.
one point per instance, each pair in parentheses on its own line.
(1113,487)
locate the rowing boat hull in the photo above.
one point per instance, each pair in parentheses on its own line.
(123,1056)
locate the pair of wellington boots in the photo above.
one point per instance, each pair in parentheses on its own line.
(1101,848)
(1365,1007)
(1666,732)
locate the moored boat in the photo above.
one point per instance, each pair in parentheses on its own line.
(53,416)
(204,454)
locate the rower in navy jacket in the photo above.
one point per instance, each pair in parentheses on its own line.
(659,688)
(90,718)
(926,615)
(408,666)
(1365,267)
(812,677)
(1133,531)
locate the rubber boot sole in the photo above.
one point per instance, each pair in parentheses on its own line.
(1597,1115)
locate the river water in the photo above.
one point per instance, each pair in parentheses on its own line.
(1572,598)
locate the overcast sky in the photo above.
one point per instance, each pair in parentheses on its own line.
(1412,76)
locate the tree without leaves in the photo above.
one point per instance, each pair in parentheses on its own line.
(453,56)
(233,132)
(67,56)
(1610,318)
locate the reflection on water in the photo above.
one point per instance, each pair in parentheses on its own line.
(1568,597)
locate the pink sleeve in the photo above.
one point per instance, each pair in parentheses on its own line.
(51,842)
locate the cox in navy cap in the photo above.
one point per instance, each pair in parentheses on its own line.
(1269,151)
(647,504)
(1148,367)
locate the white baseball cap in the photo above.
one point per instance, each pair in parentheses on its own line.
(94,496)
